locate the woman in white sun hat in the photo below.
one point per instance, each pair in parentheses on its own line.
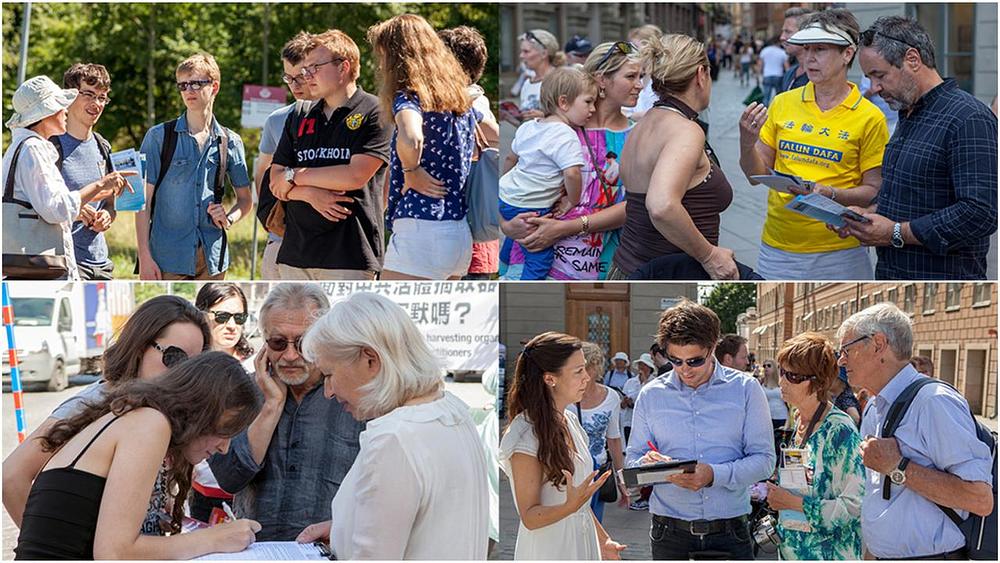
(39,113)
(826,133)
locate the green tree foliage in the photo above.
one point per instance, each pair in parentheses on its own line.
(142,43)
(728,300)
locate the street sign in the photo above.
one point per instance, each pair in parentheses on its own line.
(258,103)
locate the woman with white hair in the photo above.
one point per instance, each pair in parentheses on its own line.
(418,488)
(32,181)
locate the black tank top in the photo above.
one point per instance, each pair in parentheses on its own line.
(60,517)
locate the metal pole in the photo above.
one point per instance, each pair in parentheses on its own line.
(263,81)
(22,67)
(15,370)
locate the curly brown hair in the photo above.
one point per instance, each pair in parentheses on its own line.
(469,47)
(413,59)
(810,353)
(87,73)
(545,353)
(209,394)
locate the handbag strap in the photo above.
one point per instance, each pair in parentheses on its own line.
(606,187)
(8,191)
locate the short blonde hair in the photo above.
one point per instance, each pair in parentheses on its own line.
(200,63)
(368,320)
(594,356)
(562,82)
(644,34)
(599,63)
(673,62)
(340,46)
(810,353)
(548,43)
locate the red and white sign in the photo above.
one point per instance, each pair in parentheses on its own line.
(259,102)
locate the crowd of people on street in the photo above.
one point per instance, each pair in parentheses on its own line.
(339,430)
(338,168)
(640,193)
(845,443)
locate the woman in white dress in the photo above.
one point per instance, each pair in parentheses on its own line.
(545,453)
(418,488)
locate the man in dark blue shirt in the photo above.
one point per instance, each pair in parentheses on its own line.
(795,76)
(937,206)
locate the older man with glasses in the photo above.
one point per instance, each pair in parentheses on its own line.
(931,463)
(710,414)
(285,468)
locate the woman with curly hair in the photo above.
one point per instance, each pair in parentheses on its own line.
(545,453)
(424,88)
(89,500)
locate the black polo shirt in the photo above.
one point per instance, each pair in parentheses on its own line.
(311,141)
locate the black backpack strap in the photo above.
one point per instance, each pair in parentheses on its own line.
(54,139)
(105,147)
(167,149)
(8,190)
(896,413)
(219,190)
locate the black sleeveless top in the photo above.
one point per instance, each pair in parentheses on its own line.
(60,518)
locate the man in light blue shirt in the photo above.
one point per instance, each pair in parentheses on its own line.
(711,414)
(934,456)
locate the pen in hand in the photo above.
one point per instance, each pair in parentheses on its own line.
(229,511)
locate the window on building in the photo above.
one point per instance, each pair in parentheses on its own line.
(891,295)
(864,303)
(953,297)
(952,30)
(930,298)
(945,370)
(980,294)
(909,298)
(877,297)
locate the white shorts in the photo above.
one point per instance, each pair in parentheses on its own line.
(836,265)
(435,250)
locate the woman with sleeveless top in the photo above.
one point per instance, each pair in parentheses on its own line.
(585,239)
(675,186)
(89,500)
(159,332)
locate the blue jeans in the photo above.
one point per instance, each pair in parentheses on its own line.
(536,264)
(772,87)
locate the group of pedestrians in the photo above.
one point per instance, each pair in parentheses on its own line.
(896,487)
(339,167)
(393,468)
(653,190)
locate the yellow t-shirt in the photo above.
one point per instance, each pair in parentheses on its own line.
(834,147)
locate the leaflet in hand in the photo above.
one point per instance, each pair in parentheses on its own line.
(781,182)
(272,551)
(823,209)
(130,160)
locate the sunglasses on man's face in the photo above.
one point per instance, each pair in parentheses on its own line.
(768,366)
(194,85)
(172,355)
(796,378)
(280,343)
(691,362)
(222,317)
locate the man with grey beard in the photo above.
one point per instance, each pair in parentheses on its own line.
(289,463)
(937,206)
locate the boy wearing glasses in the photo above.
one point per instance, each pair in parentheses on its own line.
(181,233)
(339,145)
(711,414)
(84,158)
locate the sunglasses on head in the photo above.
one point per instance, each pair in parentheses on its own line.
(280,343)
(194,85)
(868,35)
(531,37)
(622,47)
(691,362)
(795,377)
(222,317)
(172,355)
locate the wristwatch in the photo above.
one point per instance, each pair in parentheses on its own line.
(290,175)
(897,235)
(898,475)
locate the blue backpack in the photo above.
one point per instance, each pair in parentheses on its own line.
(980,531)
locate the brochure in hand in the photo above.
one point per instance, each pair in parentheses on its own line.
(656,472)
(781,182)
(824,209)
(130,160)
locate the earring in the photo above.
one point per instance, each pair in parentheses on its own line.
(600,93)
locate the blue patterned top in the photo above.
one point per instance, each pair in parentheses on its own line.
(449,140)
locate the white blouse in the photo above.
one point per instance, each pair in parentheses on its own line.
(418,488)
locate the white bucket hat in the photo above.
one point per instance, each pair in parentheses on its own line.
(36,99)
(645,359)
(815,33)
(620,356)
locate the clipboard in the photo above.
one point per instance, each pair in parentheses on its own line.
(656,472)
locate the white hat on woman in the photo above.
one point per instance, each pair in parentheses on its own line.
(620,356)
(816,33)
(36,99)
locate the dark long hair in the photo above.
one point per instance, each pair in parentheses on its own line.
(546,353)
(147,323)
(211,294)
(194,395)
